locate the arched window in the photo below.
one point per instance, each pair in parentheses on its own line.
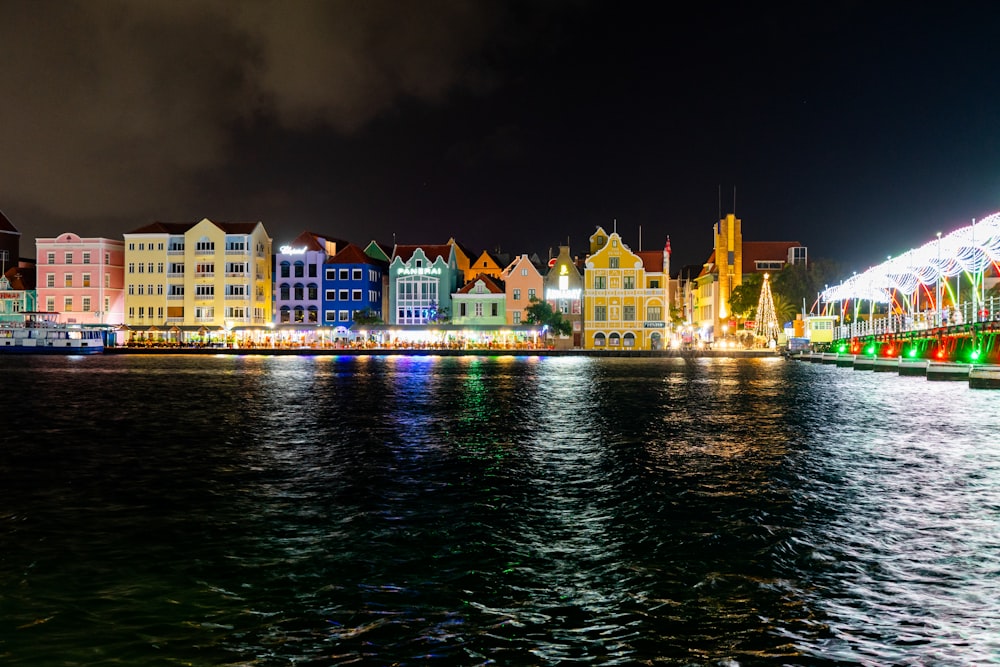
(599,340)
(298,314)
(285,315)
(299,269)
(312,315)
(312,291)
(284,291)
(628,340)
(285,270)
(614,340)
(298,291)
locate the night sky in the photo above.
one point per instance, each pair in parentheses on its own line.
(857,128)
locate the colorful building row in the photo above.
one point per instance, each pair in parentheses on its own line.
(210,281)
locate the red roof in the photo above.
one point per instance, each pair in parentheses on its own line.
(492,284)
(652,260)
(352,254)
(405,252)
(182,227)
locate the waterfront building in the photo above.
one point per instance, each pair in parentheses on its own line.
(522,282)
(480,302)
(198,281)
(563,285)
(10,244)
(299,267)
(731,260)
(421,282)
(17,294)
(463,260)
(83,279)
(352,285)
(626,298)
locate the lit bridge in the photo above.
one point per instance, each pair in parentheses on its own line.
(930,303)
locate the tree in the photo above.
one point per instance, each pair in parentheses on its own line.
(743,298)
(367,317)
(799,282)
(541,312)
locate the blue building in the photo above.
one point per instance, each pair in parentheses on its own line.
(352,284)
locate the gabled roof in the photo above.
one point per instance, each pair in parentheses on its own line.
(183,227)
(405,252)
(352,254)
(775,251)
(492,284)
(5,224)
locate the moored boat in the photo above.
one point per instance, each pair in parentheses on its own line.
(42,333)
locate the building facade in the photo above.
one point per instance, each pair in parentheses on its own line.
(564,287)
(299,266)
(352,285)
(626,299)
(421,282)
(205,277)
(81,278)
(522,282)
(480,302)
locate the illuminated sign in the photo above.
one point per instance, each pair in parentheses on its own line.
(419,271)
(654,325)
(556,294)
(10,295)
(289,250)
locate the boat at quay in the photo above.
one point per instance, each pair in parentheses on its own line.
(42,333)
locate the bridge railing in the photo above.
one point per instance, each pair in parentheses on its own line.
(965,313)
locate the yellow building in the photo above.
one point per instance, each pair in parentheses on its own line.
(183,279)
(626,295)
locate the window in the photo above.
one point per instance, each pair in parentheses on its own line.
(343,295)
(628,340)
(344,273)
(312,292)
(313,270)
(494,309)
(86,304)
(516,317)
(517,294)
(628,313)
(300,270)
(461,310)
(479,309)
(628,282)
(68,304)
(285,270)
(50,280)
(68,280)
(86,282)
(599,340)
(356,295)
(204,246)
(298,291)
(142,290)
(344,316)
(600,282)
(355,274)
(614,340)
(531,294)
(331,294)
(654,313)
(86,260)
(51,258)
(524,272)
(612,262)
(131,267)
(204,290)
(600,313)
(69,258)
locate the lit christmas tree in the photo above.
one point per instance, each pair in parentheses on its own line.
(767,320)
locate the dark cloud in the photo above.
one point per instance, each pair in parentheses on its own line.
(116,108)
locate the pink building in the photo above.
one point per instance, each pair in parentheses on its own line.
(522,282)
(83,279)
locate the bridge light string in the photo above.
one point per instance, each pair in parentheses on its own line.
(967,250)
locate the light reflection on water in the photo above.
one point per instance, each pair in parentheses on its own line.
(400,510)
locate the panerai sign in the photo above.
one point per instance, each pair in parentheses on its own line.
(419,271)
